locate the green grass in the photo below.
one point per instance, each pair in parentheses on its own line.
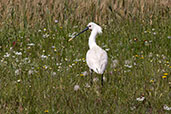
(28,86)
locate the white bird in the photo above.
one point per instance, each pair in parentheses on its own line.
(96,57)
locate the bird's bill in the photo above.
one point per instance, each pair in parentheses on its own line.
(79,33)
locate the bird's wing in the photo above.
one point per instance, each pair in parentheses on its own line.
(97,60)
(103,61)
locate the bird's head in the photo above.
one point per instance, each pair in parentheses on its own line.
(94,26)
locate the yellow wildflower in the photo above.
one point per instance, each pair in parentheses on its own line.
(151,81)
(46,111)
(136,55)
(142,57)
(135,39)
(81,74)
(45,67)
(55,49)
(164,77)
(165,74)
(61,27)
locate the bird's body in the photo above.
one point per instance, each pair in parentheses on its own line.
(96,57)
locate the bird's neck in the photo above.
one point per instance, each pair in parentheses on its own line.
(92,39)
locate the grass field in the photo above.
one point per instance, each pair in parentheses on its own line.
(41,72)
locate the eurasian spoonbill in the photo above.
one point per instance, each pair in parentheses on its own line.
(96,57)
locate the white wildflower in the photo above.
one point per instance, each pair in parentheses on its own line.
(150,54)
(104,78)
(30,72)
(45,35)
(45,66)
(85,73)
(43,56)
(31,44)
(107,49)
(17,72)
(115,63)
(18,53)
(53,47)
(165,107)
(58,64)
(169,37)
(146,43)
(140,98)
(87,85)
(44,29)
(2,60)
(54,73)
(76,87)
(75,26)
(26,60)
(133,108)
(56,21)
(104,45)
(128,66)
(127,62)
(95,79)
(6,55)
(145,31)
(157,55)
(18,81)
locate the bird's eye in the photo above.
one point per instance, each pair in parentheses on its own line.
(89,25)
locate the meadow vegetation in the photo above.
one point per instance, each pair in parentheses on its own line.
(41,72)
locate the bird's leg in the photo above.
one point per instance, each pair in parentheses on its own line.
(91,75)
(102,80)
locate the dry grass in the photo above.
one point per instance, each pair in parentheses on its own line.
(29,12)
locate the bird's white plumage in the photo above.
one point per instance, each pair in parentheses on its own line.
(96,57)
